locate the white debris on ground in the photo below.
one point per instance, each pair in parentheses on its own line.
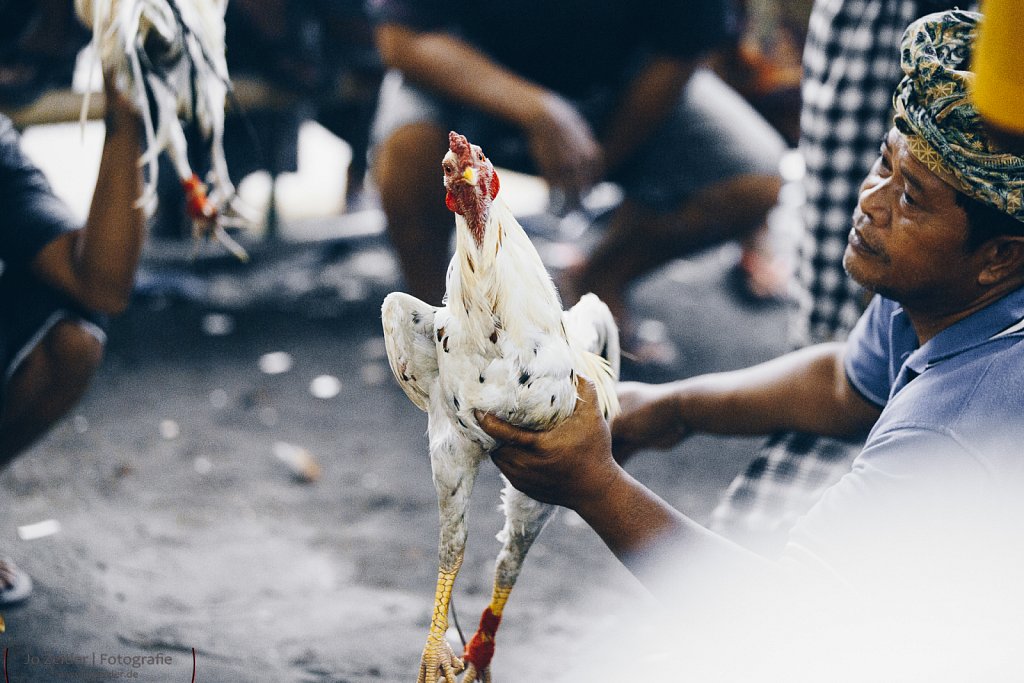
(37,530)
(299,461)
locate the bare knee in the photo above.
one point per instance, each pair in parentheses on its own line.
(72,349)
(750,195)
(57,372)
(732,208)
(408,173)
(407,167)
(47,384)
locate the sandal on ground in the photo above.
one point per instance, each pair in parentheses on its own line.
(15,585)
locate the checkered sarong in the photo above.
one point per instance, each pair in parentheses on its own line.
(851,68)
(786,478)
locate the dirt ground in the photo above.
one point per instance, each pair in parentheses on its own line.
(181,532)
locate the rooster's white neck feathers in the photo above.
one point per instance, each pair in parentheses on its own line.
(502,284)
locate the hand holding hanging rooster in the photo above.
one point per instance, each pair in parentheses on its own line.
(167,57)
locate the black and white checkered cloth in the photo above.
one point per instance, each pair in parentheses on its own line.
(786,478)
(851,66)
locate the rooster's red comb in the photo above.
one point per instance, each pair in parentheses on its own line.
(461,148)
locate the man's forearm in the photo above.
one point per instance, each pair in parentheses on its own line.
(805,391)
(631,519)
(650,537)
(96,265)
(107,250)
(451,66)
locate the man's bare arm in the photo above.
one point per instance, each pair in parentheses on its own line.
(562,143)
(805,391)
(96,265)
(571,465)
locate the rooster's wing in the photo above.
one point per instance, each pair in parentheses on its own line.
(409,339)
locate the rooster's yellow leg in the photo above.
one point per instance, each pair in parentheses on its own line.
(454,464)
(524,520)
(438,658)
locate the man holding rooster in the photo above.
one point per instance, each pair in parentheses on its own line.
(927,523)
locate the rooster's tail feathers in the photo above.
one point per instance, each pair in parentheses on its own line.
(599,371)
(592,325)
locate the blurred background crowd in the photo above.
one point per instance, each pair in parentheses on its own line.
(296,62)
(776,110)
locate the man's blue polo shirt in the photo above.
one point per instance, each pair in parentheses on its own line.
(965,385)
(947,452)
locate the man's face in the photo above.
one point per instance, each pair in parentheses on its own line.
(909,234)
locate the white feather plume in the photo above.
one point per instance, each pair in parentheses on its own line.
(167,56)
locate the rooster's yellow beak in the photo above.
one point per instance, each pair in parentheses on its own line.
(469,176)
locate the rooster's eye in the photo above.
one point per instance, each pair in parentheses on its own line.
(448,168)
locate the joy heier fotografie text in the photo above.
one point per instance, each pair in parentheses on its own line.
(93,665)
(101,659)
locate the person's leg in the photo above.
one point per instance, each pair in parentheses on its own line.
(790,473)
(47,383)
(639,239)
(409,138)
(766,271)
(407,170)
(708,175)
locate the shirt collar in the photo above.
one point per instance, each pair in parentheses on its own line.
(1000,318)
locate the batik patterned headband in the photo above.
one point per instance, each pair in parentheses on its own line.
(935,112)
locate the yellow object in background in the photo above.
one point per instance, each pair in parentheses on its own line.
(999,65)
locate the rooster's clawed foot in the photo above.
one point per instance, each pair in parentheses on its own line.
(439,663)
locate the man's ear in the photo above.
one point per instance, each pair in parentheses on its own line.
(1004,258)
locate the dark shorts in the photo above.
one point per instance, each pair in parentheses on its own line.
(713,135)
(29,309)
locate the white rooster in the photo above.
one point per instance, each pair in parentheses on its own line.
(168,57)
(502,344)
